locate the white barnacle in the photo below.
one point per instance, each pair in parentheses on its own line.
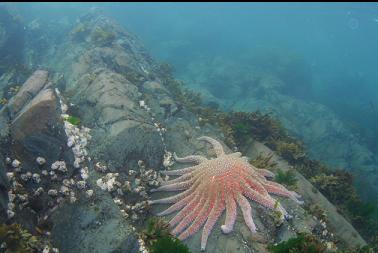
(38,191)
(81,184)
(11,206)
(40,160)
(89,193)
(64,190)
(70,141)
(10,214)
(11,196)
(52,193)
(8,160)
(16,163)
(59,165)
(46,249)
(77,162)
(36,178)
(84,173)
(10,176)
(168,161)
(25,177)
(132,172)
(66,182)
(117,201)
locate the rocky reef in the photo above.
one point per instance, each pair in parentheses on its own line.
(84,141)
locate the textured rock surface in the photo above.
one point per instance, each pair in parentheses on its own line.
(27,92)
(36,129)
(33,117)
(93,225)
(338,224)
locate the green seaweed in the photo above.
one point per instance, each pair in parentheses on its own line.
(303,243)
(159,240)
(291,151)
(74,120)
(168,244)
(18,239)
(263,162)
(286,178)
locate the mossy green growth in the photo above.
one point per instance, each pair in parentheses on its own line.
(103,37)
(79,32)
(291,151)
(303,243)
(263,161)
(18,239)
(74,120)
(168,244)
(159,240)
(286,178)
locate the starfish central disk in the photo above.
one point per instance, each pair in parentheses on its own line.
(213,186)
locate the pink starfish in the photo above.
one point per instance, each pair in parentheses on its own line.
(214,185)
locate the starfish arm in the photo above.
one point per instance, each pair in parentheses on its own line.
(188,219)
(177,206)
(236,154)
(194,176)
(230,214)
(177,197)
(254,184)
(200,219)
(265,173)
(245,158)
(173,187)
(218,148)
(190,159)
(168,200)
(247,212)
(252,194)
(215,213)
(279,190)
(178,172)
(178,180)
(186,210)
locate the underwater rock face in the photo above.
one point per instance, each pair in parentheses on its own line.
(105,82)
(96,228)
(115,90)
(37,136)
(34,120)
(27,92)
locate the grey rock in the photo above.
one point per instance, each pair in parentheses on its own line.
(97,228)
(27,92)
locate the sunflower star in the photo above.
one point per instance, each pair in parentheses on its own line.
(215,185)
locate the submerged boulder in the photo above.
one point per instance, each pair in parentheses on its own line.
(37,136)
